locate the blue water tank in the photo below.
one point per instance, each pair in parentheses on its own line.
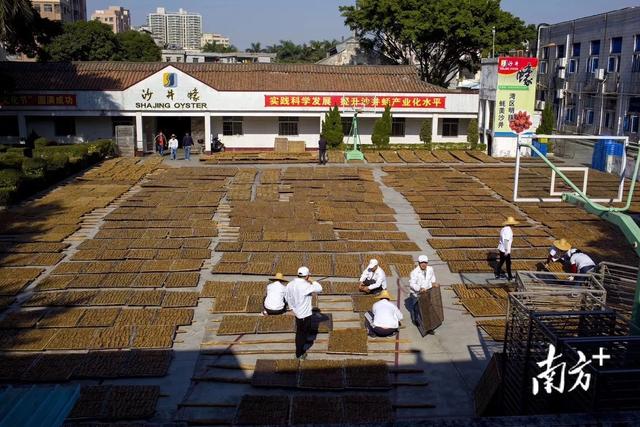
(542,147)
(607,156)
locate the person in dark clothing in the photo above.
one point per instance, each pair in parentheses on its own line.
(322,147)
(187,143)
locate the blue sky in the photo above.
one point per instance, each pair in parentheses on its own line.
(269,21)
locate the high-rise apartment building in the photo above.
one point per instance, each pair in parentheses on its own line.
(118,18)
(176,29)
(62,10)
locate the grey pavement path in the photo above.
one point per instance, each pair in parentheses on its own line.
(455,356)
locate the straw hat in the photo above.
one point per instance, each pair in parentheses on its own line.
(510,221)
(384,294)
(562,244)
(278,276)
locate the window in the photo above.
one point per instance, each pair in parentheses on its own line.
(545,53)
(570,115)
(398,126)
(592,64)
(449,127)
(616,45)
(560,51)
(231,125)
(168,59)
(9,126)
(287,126)
(575,49)
(65,126)
(37,8)
(196,60)
(543,67)
(636,43)
(588,117)
(634,124)
(573,65)
(47,7)
(613,64)
(608,119)
(635,63)
(346,125)
(595,47)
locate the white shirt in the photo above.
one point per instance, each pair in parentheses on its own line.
(298,295)
(275,296)
(581,260)
(173,143)
(506,240)
(386,315)
(421,279)
(379,276)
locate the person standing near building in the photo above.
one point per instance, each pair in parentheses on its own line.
(421,279)
(322,151)
(275,302)
(173,146)
(187,143)
(299,295)
(161,142)
(373,279)
(504,248)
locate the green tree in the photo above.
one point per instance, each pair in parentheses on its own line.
(218,48)
(255,48)
(138,47)
(426,133)
(382,129)
(83,41)
(547,121)
(332,128)
(472,134)
(512,34)
(22,29)
(439,36)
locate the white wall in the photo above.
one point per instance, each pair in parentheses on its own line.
(43,126)
(261,132)
(91,128)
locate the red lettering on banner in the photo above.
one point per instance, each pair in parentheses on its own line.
(350,101)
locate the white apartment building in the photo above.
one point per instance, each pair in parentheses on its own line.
(218,39)
(176,29)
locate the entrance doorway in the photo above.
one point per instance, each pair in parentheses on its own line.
(174,125)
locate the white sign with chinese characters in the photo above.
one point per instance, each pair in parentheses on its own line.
(169,89)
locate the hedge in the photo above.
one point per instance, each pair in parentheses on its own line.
(22,176)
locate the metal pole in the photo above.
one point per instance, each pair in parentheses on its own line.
(515,183)
(493,42)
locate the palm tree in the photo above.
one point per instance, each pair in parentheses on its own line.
(255,48)
(11,13)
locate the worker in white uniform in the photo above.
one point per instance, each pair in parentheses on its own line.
(384,318)
(504,248)
(373,279)
(575,261)
(299,294)
(421,279)
(275,302)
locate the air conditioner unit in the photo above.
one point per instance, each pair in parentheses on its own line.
(561,73)
(600,74)
(559,93)
(562,63)
(539,105)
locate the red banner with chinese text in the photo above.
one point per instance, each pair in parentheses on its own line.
(374,101)
(53,100)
